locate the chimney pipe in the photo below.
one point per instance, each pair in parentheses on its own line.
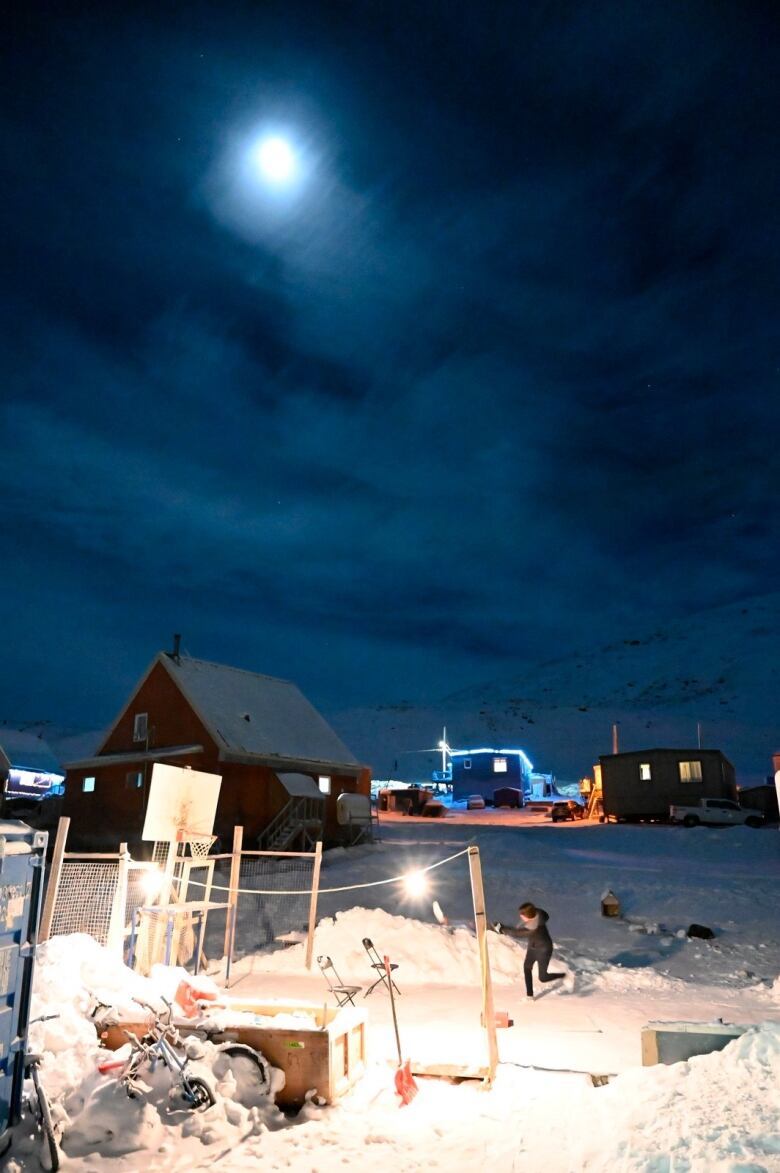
(615,740)
(176,645)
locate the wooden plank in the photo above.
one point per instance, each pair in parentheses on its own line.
(315,887)
(235,876)
(55,873)
(480,920)
(451,1070)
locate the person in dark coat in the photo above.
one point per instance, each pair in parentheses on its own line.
(533,926)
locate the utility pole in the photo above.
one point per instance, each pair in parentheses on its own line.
(698,733)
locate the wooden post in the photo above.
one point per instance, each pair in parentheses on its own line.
(115,940)
(315,888)
(53,887)
(235,881)
(480,920)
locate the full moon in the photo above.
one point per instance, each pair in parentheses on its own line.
(275,159)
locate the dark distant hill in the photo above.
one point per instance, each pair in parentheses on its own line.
(720,668)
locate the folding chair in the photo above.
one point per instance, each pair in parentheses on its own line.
(340,992)
(378,965)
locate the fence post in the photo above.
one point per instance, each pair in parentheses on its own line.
(480,921)
(315,888)
(115,940)
(235,880)
(55,872)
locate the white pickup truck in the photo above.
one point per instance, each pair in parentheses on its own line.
(715,812)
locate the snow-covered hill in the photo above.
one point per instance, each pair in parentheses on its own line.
(720,669)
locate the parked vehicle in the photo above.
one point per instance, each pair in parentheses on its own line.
(715,812)
(569,809)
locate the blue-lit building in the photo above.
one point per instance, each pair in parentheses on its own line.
(485,770)
(29,771)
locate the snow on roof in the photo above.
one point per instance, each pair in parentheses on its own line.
(300,785)
(255,715)
(460,753)
(27,751)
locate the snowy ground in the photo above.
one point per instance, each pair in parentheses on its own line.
(717,1112)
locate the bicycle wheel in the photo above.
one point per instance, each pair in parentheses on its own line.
(250,1070)
(200,1094)
(45,1120)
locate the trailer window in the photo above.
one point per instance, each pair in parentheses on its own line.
(499,765)
(645,773)
(690,771)
(88,785)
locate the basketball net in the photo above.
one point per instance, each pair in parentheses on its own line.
(200,845)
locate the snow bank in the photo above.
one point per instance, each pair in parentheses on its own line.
(715,1112)
(428,953)
(73,974)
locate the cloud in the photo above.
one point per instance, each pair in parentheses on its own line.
(502,372)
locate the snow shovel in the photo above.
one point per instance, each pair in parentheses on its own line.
(404,1080)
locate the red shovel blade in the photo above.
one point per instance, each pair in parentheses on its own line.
(110,1065)
(404,1083)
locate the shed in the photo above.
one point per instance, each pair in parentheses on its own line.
(642,784)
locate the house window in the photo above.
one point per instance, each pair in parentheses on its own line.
(499,765)
(88,785)
(140,726)
(467,763)
(645,773)
(134,780)
(324,783)
(690,771)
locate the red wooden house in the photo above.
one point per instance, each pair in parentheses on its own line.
(281,764)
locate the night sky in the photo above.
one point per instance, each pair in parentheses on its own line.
(493,377)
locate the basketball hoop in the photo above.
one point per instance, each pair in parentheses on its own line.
(200,845)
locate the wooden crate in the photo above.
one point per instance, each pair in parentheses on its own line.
(674,1042)
(327,1058)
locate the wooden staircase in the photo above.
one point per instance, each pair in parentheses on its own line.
(595,805)
(298,824)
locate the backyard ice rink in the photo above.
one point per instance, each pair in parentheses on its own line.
(717,1112)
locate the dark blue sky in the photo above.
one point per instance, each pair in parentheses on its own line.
(496,378)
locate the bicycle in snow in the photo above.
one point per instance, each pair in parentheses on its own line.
(163,1044)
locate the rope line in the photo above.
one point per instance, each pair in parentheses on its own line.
(323,891)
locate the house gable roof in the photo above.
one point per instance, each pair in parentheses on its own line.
(27,751)
(256,716)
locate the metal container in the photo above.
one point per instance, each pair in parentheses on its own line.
(22,858)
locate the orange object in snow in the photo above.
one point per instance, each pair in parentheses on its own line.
(110,1065)
(188,996)
(503,1019)
(404,1080)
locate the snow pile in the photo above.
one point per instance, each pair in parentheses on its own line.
(715,1112)
(74,974)
(427,953)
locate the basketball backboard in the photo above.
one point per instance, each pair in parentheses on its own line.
(180,800)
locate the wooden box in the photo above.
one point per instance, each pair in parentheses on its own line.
(674,1042)
(326,1058)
